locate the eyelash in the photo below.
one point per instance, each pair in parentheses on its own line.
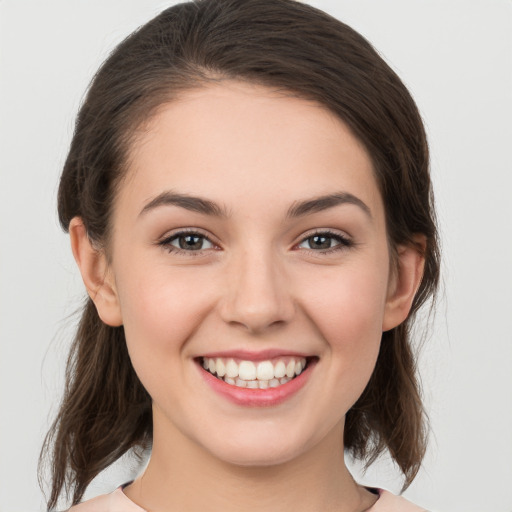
(343,242)
(166,242)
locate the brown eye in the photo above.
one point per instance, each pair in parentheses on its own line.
(324,242)
(188,242)
(320,242)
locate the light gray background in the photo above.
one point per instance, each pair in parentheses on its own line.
(455,55)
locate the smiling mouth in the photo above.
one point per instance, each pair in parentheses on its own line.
(255,375)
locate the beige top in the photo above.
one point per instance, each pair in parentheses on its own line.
(117,501)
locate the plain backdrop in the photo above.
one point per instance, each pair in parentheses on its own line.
(454,55)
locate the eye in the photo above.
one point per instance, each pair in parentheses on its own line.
(187,242)
(325,241)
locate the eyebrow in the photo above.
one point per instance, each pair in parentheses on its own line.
(298,209)
(192,203)
(318,204)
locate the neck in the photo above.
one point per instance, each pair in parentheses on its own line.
(181,475)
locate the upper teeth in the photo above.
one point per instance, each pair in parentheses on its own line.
(287,367)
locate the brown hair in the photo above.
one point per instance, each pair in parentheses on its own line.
(288,46)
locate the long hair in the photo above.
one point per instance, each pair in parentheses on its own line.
(304,52)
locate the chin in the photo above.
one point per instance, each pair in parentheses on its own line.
(257,458)
(261,451)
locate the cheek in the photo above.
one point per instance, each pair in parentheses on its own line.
(161,309)
(347,307)
(347,304)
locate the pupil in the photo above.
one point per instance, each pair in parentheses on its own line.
(320,242)
(191,242)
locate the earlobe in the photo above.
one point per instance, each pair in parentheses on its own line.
(404,283)
(96,275)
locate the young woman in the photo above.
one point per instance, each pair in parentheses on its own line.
(248,199)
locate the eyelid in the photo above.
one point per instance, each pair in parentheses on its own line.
(345,240)
(165,241)
(324,231)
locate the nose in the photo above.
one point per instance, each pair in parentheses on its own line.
(258,296)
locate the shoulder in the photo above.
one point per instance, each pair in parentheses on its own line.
(388,502)
(116,501)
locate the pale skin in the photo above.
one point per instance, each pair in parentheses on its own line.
(253,281)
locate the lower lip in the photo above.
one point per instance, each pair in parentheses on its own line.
(258,397)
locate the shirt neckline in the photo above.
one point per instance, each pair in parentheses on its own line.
(137,508)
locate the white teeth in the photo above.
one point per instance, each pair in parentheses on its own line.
(241,383)
(265,370)
(247,370)
(290,369)
(232,369)
(279,370)
(221,367)
(252,375)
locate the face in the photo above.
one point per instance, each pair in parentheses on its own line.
(249,238)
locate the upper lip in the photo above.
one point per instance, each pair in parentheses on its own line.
(250,355)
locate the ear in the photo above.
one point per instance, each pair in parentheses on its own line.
(96,274)
(404,282)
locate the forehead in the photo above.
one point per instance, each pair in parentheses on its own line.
(235,141)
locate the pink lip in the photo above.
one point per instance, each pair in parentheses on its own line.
(257,397)
(248,355)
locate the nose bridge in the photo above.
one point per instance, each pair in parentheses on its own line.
(258,295)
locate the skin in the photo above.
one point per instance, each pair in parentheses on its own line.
(256,285)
